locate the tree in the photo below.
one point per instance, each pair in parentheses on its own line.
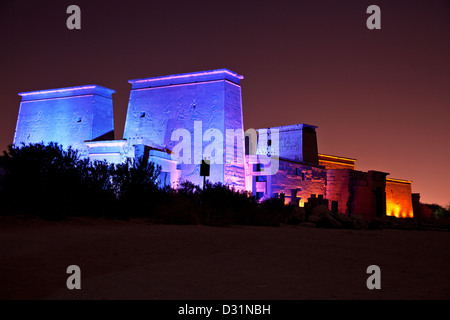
(38,178)
(52,182)
(135,176)
(136,186)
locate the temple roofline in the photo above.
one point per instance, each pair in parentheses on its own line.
(184,78)
(67,92)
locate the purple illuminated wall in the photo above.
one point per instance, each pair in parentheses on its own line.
(196,102)
(69,116)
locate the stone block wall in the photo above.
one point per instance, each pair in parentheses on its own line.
(339,188)
(399,198)
(297,142)
(68,116)
(298,181)
(368,196)
(357,192)
(336,162)
(195,103)
(421,211)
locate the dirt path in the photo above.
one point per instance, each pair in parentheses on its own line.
(137,260)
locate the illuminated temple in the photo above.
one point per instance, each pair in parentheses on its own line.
(164,111)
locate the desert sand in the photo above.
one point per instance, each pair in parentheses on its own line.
(138,260)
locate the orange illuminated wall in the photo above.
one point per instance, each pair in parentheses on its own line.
(398,198)
(335,162)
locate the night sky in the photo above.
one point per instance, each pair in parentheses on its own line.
(380,96)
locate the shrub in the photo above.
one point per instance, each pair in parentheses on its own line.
(440,212)
(53,183)
(39,178)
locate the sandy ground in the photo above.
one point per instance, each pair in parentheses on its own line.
(138,260)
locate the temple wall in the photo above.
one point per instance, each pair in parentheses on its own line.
(361,201)
(234,169)
(297,142)
(68,116)
(357,192)
(421,211)
(339,188)
(204,105)
(298,181)
(398,198)
(202,112)
(336,162)
(368,197)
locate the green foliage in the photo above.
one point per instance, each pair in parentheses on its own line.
(440,212)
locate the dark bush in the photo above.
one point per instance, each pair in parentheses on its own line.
(53,183)
(40,179)
(440,212)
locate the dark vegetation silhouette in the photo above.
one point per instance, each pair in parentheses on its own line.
(440,212)
(53,183)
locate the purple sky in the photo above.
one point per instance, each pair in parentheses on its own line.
(380,96)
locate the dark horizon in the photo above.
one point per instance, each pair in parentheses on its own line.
(380,96)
